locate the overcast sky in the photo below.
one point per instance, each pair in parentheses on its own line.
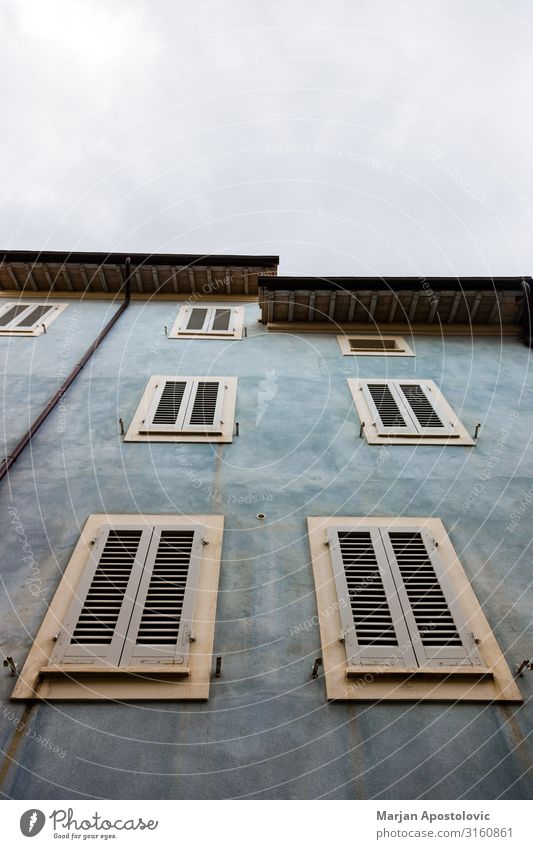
(349,137)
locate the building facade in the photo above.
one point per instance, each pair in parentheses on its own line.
(315,497)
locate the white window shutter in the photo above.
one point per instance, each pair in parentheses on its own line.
(388,409)
(204,411)
(221,320)
(437,625)
(25,316)
(373,625)
(161,626)
(9,316)
(97,621)
(168,408)
(423,408)
(197,319)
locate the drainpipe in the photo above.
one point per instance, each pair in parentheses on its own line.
(8,461)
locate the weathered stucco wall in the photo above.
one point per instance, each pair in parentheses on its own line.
(267,730)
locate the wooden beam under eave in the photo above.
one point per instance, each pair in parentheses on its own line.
(174,279)
(66,278)
(311,311)
(351,308)
(83,275)
(155,278)
(192,280)
(372,307)
(138,278)
(290,311)
(392,308)
(12,277)
(332,301)
(103,281)
(30,278)
(47,277)
(227,280)
(413,306)
(495,311)
(433,309)
(475,306)
(246,279)
(455,304)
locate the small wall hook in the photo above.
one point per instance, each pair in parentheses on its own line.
(476,432)
(166,330)
(361,429)
(316,666)
(121,425)
(526,664)
(8,661)
(218,667)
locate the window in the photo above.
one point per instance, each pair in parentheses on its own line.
(134,614)
(185,409)
(214,322)
(405,411)
(27,319)
(398,617)
(374,345)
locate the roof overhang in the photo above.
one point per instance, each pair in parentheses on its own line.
(399,302)
(168,275)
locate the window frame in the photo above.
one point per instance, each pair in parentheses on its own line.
(490,681)
(42,680)
(236,324)
(38,327)
(453,432)
(404,350)
(140,431)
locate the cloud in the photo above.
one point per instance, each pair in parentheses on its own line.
(244,126)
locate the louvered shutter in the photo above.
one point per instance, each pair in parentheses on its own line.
(388,409)
(221,321)
(204,411)
(11,314)
(373,623)
(161,626)
(197,319)
(97,621)
(168,408)
(24,316)
(35,315)
(423,408)
(439,632)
